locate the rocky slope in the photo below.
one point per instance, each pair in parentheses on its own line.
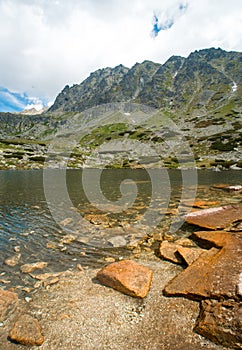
(204,80)
(196,99)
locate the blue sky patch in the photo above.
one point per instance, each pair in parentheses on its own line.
(167,19)
(16,102)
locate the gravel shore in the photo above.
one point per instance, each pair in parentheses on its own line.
(80,313)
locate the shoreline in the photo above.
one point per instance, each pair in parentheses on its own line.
(80,313)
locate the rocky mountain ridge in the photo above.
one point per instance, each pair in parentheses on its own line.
(197,99)
(202,81)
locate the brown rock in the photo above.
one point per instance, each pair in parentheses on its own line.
(168,251)
(200,203)
(13,260)
(215,273)
(189,254)
(28,268)
(185,242)
(8,302)
(27,331)
(228,187)
(127,277)
(221,322)
(220,186)
(97,219)
(45,276)
(215,218)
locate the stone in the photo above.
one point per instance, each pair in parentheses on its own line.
(45,276)
(67,239)
(221,322)
(28,268)
(168,251)
(127,277)
(8,303)
(198,203)
(97,219)
(66,221)
(190,254)
(216,273)
(215,218)
(13,260)
(27,331)
(229,188)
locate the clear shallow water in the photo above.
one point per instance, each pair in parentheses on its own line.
(27,223)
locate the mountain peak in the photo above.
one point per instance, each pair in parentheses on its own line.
(200,81)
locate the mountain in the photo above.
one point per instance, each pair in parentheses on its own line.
(202,81)
(197,99)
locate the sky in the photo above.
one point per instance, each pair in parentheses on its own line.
(47,44)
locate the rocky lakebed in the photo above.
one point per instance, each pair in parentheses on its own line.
(170,292)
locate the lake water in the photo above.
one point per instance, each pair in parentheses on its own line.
(66,218)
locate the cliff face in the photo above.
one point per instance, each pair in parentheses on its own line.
(202,81)
(201,95)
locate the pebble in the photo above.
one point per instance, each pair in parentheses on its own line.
(28,299)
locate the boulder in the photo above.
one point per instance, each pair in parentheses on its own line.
(216,273)
(27,331)
(8,303)
(221,322)
(127,277)
(215,218)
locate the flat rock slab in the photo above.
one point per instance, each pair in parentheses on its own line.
(216,273)
(8,302)
(221,322)
(27,331)
(228,187)
(127,277)
(199,203)
(215,218)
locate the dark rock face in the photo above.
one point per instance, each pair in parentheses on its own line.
(105,86)
(203,80)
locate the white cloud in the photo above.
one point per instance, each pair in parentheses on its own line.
(46,44)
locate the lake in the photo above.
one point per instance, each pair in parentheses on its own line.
(74,216)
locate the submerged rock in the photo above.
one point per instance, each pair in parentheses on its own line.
(27,331)
(13,260)
(215,218)
(127,277)
(221,322)
(28,268)
(8,303)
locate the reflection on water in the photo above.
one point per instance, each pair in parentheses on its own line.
(27,225)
